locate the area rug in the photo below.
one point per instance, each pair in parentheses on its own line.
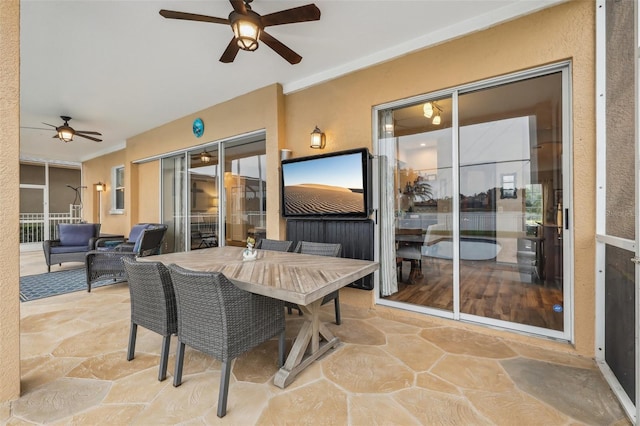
(34,287)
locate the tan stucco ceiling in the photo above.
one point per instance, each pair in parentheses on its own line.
(119,68)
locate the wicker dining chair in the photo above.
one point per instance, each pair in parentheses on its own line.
(223,321)
(274,245)
(153,305)
(320,249)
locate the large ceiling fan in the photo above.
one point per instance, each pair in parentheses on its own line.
(248,26)
(66,133)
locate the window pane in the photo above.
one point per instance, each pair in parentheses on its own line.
(204,174)
(245,188)
(511,202)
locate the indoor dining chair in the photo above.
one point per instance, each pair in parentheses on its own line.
(153,305)
(320,249)
(223,321)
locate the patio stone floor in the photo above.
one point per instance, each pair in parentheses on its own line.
(390,368)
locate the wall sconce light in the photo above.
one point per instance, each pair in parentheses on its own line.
(100,188)
(318,139)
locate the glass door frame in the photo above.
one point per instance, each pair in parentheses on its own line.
(632,408)
(567,167)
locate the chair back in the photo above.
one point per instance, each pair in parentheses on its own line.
(274,245)
(319,249)
(153,300)
(220,319)
(150,242)
(78,234)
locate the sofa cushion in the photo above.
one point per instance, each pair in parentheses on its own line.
(68,249)
(76,234)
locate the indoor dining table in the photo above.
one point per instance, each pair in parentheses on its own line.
(298,278)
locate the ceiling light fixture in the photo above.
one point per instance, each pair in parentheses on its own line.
(246,28)
(205,157)
(65,133)
(429,109)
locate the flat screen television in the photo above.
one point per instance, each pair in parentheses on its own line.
(336,185)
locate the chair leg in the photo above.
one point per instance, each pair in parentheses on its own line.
(281,349)
(336,301)
(177,374)
(225,372)
(133,332)
(164,357)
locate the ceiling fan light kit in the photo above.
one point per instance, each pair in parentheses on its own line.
(248,27)
(66,133)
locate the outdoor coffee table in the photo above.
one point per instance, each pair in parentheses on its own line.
(298,278)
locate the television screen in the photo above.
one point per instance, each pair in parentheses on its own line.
(335,184)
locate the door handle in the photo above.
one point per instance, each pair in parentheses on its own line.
(635,260)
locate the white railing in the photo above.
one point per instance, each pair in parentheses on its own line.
(33,227)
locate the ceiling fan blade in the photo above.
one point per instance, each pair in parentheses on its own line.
(172,14)
(50,125)
(35,128)
(88,137)
(282,50)
(87,132)
(306,13)
(238,6)
(230,52)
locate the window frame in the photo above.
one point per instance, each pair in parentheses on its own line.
(115,189)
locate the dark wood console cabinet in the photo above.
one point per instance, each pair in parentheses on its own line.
(356,237)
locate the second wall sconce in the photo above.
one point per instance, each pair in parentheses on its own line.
(318,139)
(100,186)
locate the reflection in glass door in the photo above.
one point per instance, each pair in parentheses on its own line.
(478,203)
(511,206)
(423,212)
(204,198)
(245,189)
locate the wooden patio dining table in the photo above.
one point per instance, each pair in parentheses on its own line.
(298,278)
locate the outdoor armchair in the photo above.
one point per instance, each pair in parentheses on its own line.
(223,321)
(153,305)
(320,249)
(105,264)
(73,242)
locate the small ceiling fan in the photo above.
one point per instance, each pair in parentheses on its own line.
(248,26)
(66,133)
(204,157)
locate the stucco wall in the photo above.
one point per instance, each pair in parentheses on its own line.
(99,170)
(342,109)
(9,202)
(258,110)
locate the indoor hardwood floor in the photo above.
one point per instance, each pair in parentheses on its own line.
(487,289)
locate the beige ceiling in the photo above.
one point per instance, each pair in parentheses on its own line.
(119,68)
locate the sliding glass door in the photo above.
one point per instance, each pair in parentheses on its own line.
(220,183)
(493,253)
